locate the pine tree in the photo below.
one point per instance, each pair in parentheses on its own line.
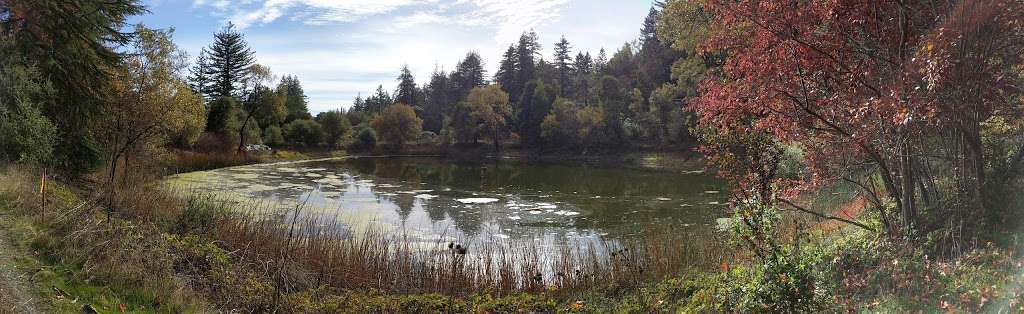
(469,74)
(358,104)
(407,90)
(601,62)
(563,66)
(526,66)
(296,100)
(199,78)
(506,75)
(230,58)
(655,58)
(438,101)
(582,74)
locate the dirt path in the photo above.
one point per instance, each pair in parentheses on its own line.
(14,296)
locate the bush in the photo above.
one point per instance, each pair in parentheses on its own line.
(272,136)
(365,140)
(303,132)
(336,126)
(398,124)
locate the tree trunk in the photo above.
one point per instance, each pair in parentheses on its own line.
(241,133)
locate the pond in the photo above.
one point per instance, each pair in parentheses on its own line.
(432,199)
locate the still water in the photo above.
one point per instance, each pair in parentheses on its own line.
(432,199)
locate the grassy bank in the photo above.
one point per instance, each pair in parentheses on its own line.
(198,253)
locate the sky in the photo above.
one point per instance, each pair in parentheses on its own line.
(341,48)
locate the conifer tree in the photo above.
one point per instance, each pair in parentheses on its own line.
(506,75)
(230,59)
(295,99)
(563,66)
(407,91)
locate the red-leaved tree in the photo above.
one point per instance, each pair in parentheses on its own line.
(895,97)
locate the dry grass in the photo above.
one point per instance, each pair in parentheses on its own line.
(305,251)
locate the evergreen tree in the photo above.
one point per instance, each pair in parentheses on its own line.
(407,90)
(526,65)
(438,101)
(230,58)
(469,74)
(536,103)
(506,75)
(563,66)
(655,59)
(601,62)
(582,76)
(75,46)
(199,78)
(295,99)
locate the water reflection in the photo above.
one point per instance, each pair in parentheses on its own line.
(431,198)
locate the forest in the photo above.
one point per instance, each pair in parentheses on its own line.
(869,152)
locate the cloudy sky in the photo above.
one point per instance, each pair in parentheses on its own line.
(339,48)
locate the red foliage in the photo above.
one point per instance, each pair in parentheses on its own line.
(856,83)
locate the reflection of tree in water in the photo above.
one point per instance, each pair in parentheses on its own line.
(468,220)
(405,203)
(434,210)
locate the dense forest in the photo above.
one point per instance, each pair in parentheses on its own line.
(915,107)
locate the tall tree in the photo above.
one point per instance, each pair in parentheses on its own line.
(469,74)
(506,75)
(438,101)
(199,74)
(536,103)
(583,72)
(527,50)
(398,124)
(407,90)
(260,100)
(655,58)
(295,98)
(76,47)
(230,61)
(601,62)
(152,102)
(491,110)
(563,65)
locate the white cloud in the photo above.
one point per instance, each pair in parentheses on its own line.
(358,44)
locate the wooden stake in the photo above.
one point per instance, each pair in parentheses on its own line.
(42,194)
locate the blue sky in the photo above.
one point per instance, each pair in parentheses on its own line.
(339,48)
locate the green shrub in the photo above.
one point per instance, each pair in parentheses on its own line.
(305,132)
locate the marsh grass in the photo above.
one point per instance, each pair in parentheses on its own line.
(304,250)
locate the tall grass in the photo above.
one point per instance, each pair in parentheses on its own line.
(303,251)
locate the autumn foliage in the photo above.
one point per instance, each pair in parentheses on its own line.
(895,97)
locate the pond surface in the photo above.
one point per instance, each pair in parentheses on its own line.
(432,199)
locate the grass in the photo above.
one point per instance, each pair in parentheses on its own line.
(164,253)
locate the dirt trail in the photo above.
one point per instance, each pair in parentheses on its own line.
(14,297)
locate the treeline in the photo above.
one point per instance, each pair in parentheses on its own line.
(576,100)
(248,104)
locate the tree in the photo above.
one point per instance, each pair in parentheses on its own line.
(152,103)
(398,124)
(222,117)
(199,75)
(335,126)
(888,89)
(655,58)
(304,132)
(438,101)
(407,91)
(564,66)
(491,109)
(295,100)
(260,101)
(583,72)
(506,75)
(375,104)
(28,135)
(537,101)
(469,74)
(230,62)
(526,65)
(76,46)
(273,136)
